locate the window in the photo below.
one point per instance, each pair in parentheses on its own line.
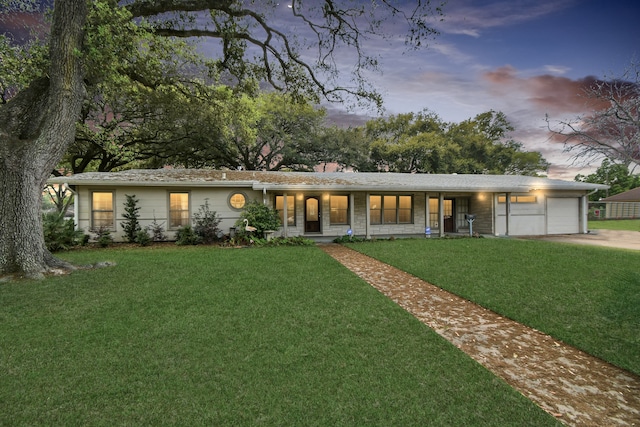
(339,209)
(102,214)
(434,206)
(518,199)
(405,213)
(291,209)
(237,200)
(391,209)
(375,209)
(178,209)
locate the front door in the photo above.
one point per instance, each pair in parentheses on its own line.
(449,216)
(312,215)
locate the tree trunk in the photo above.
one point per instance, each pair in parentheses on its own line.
(36,127)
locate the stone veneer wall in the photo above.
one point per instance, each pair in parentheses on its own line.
(482,206)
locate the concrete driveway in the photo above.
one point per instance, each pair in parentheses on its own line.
(610,238)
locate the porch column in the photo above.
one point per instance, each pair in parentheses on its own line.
(441,214)
(285,215)
(426,210)
(494,214)
(367,216)
(507,205)
(352,214)
(584,214)
(76,208)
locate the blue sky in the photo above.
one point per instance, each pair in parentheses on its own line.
(526,58)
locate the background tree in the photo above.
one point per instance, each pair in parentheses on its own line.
(182,124)
(423,143)
(612,129)
(615,175)
(38,124)
(284,135)
(485,147)
(151,104)
(343,149)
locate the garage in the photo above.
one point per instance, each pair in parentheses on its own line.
(563,215)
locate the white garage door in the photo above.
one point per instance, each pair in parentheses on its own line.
(563,215)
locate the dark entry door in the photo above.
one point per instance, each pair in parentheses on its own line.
(312,215)
(449,216)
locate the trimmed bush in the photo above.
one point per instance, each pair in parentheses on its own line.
(143,238)
(157,231)
(131,214)
(60,233)
(206,224)
(103,236)
(260,216)
(186,236)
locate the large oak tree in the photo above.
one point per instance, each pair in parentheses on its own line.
(38,124)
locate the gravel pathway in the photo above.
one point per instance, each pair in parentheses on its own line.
(576,388)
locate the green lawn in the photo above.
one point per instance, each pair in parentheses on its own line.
(615,224)
(243,337)
(583,295)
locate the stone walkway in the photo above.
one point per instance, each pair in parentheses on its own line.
(576,388)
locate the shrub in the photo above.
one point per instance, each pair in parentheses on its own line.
(348,239)
(286,241)
(131,225)
(260,216)
(206,224)
(157,231)
(143,238)
(60,233)
(186,236)
(103,236)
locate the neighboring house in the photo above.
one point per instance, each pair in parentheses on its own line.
(623,205)
(323,206)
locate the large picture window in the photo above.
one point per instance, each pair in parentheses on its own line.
(339,210)
(291,209)
(391,209)
(102,213)
(178,209)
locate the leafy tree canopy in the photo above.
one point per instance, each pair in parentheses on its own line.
(423,143)
(616,175)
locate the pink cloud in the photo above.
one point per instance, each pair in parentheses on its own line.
(546,93)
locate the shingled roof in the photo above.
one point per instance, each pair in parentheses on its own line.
(345,181)
(632,195)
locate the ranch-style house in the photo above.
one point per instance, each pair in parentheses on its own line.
(322,206)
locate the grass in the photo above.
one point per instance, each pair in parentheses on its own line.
(243,337)
(615,224)
(586,296)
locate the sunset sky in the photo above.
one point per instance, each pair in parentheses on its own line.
(526,58)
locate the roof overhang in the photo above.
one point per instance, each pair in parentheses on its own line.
(323,182)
